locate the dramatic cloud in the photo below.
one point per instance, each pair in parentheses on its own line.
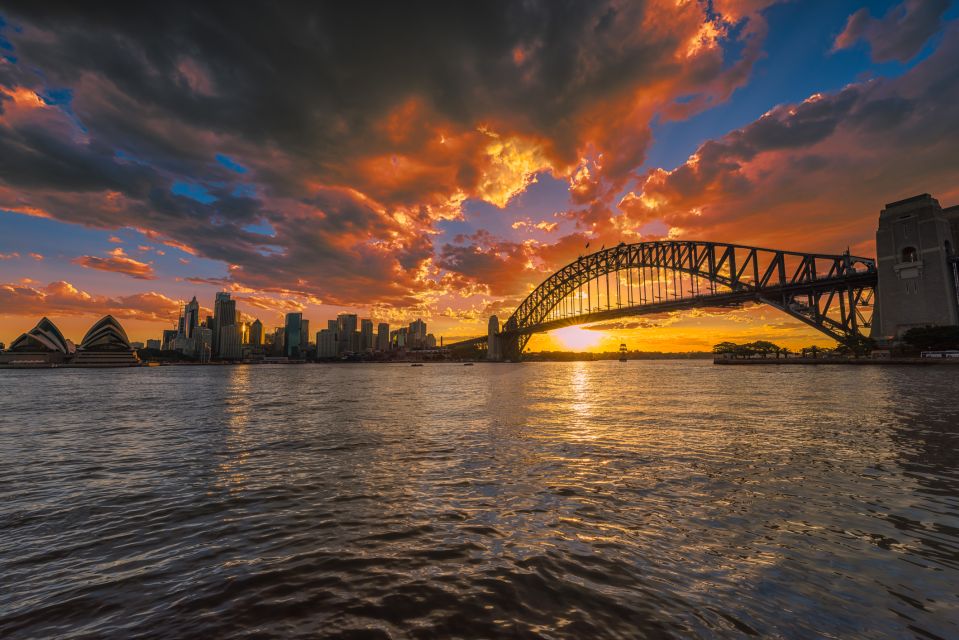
(62,298)
(349,133)
(898,35)
(886,138)
(118,262)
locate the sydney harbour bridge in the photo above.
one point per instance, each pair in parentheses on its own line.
(831,293)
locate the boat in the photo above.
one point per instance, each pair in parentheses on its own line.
(467,364)
(416,364)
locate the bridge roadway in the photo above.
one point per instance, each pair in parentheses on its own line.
(729,299)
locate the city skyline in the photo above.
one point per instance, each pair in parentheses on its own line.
(451,211)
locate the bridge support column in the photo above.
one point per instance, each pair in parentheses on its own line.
(493,340)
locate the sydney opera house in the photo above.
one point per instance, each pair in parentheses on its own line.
(104,345)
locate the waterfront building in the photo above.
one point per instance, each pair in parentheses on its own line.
(169,336)
(256,334)
(106,345)
(383,337)
(154,344)
(231,342)
(366,335)
(430,341)
(292,334)
(279,342)
(398,338)
(43,345)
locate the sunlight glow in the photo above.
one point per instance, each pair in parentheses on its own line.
(577,338)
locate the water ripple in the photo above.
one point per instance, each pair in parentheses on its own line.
(600,500)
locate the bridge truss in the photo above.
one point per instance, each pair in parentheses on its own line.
(832,293)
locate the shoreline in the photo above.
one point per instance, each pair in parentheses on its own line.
(839,361)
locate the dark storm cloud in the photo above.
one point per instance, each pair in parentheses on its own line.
(898,35)
(359,126)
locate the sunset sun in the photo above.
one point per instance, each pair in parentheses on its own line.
(577,338)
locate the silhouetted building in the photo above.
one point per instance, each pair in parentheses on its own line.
(154,344)
(191,318)
(224,315)
(43,345)
(346,333)
(383,337)
(326,344)
(169,336)
(291,332)
(366,335)
(416,338)
(279,342)
(256,333)
(231,342)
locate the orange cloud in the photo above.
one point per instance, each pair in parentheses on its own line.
(118,262)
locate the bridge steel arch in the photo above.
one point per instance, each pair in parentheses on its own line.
(831,293)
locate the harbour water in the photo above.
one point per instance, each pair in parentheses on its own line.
(580,500)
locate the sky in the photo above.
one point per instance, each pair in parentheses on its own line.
(440,160)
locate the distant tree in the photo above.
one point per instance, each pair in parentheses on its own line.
(856,345)
(763,347)
(745,350)
(932,338)
(725,347)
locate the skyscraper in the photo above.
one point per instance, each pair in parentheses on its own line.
(326,343)
(224,314)
(346,332)
(279,342)
(366,335)
(231,342)
(256,333)
(304,336)
(191,318)
(383,337)
(416,338)
(292,333)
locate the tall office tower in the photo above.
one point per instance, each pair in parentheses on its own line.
(224,314)
(416,338)
(244,332)
(399,339)
(304,336)
(231,345)
(256,333)
(191,318)
(180,324)
(383,337)
(346,332)
(326,343)
(279,342)
(366,335)
(204,343)
(169,335)
(292,332)
(430,341)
